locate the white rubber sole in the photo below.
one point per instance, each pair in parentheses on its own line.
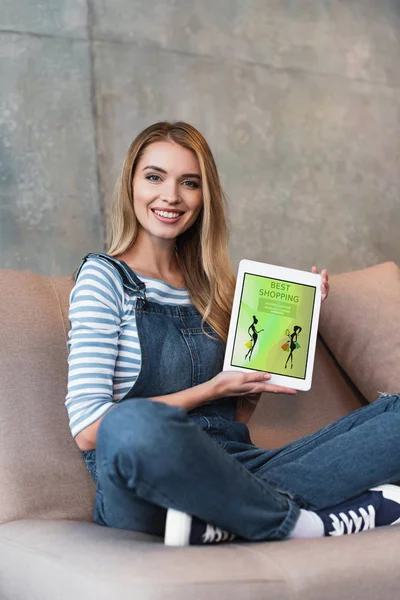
(177,528)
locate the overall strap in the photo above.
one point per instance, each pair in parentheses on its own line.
(130,279)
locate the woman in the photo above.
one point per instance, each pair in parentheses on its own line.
(253,333)
(293,344)
(160,427)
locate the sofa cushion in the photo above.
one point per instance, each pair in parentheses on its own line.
(360,322)
(67,560)
(42,473)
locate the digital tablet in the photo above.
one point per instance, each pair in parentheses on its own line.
(274,323)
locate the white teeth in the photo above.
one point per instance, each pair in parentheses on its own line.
(167,215)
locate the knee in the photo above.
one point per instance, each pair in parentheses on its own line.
(133,429)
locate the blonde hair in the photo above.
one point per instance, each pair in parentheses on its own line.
(202,250)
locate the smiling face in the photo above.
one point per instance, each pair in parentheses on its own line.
(167,193)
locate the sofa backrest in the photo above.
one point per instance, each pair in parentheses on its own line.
(42,473)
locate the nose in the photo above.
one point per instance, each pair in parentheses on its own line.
(170,194)
(170,200)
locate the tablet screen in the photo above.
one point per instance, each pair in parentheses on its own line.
(273,326)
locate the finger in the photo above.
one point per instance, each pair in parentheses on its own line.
(257,376)
(314,270)
(255,395)
(278,389)
(269,388)
(324,284)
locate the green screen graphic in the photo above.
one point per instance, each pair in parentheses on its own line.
(274,325)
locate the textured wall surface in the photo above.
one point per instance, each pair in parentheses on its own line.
(300,102)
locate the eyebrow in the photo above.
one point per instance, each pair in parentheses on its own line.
(154,168)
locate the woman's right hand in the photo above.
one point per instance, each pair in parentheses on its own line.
(239,383)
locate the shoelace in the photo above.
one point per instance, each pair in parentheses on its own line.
(352,522)
(214,535)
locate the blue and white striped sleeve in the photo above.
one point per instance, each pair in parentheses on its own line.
(96,307)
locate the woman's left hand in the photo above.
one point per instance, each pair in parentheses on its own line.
(324,283)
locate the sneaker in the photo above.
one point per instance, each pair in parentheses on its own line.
(377,507)
(184,530)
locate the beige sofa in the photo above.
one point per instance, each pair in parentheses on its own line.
(50,549)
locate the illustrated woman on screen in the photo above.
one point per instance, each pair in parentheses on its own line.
(253,333)
(293,345)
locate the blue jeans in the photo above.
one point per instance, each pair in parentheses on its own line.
(151,456)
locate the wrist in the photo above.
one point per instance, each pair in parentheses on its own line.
(199,395)
(215,389)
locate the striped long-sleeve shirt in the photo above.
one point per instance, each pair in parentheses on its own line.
(104,350)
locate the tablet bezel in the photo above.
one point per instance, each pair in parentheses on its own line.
(286,274)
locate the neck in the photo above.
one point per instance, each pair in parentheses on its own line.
(152,256)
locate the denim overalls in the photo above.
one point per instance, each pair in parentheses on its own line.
(151,456)
(176,355)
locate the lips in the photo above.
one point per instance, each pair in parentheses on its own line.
(161,215)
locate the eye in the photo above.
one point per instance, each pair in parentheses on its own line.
(194,184)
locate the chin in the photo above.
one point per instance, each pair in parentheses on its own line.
(163,235)
(168,233)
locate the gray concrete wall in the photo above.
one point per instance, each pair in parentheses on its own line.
(300,102)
